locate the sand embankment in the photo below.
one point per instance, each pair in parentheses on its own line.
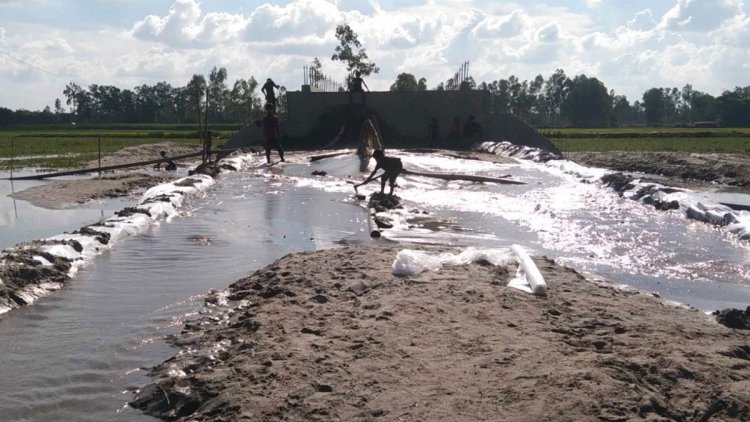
(334,336)
(69,193)
(726,169)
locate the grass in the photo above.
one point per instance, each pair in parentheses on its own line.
(71,148)
(699,140)
(699,145)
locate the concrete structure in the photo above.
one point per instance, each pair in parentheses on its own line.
(314,119)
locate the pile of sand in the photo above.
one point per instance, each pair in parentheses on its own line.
(728,169)
(69,193)
(334,336)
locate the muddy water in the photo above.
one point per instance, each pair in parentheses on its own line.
(76,354)
(21,221)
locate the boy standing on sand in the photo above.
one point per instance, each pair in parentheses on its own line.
(270,126)
(391,166)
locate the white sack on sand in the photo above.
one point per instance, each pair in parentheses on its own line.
(411,262)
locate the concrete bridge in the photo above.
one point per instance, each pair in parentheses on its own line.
(318,119)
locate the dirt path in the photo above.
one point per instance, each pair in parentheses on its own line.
(70,193)
(728,169)
(334,336)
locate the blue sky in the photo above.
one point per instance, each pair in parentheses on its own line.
(630,45)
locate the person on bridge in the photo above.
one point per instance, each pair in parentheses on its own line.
(272,133)
(207,145)
(391,166)
(170,165)
(269,93)
(355,86)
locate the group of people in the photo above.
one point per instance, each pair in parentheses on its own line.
(470,130)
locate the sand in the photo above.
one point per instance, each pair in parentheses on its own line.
(71,193)
(334,336)
(678,167)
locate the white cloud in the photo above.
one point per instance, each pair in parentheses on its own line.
(706,43)
(642,21)
(186,26)
(700,15)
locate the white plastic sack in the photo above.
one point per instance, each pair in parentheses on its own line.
(410,262)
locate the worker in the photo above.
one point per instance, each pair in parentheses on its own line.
(268,91)
(391,167)
(355,86)
(272,133)
(170,165)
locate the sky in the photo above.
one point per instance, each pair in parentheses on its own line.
(630,45)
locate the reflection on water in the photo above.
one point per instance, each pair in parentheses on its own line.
(20,221)
(76,354)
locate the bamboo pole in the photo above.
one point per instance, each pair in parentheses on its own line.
(100,156)
(466,177)
(114,167)
(12,154)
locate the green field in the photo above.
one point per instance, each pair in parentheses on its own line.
(719,140)
(54,148)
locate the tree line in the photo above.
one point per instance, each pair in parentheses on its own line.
(582,101)
(202,100)
(555,101)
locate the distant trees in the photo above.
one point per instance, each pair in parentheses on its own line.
(734,107)
(557,100)
(406,82)
(588,104)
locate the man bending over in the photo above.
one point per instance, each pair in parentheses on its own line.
(391,169)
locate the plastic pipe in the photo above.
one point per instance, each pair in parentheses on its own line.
(534,277)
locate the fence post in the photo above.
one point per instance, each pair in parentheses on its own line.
(12,154)
(99,143)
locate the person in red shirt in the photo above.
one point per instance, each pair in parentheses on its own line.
(270,127)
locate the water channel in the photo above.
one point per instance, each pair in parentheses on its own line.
(78,353)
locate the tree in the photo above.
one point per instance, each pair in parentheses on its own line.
(72,93)
(243,103)
(405,82)
(217,91)
(58,106)
(555,91)
(655,107)
(422,84)
(196,91)
(702,107)
(734,107)
(344,52)
(588,103)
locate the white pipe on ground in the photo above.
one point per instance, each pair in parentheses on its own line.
(534,277)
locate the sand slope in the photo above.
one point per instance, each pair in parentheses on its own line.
(334,336)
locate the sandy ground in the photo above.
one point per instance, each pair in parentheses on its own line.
(334,336)
(146,152)
(70,193)
(728,169)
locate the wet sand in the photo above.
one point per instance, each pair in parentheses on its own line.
(70,193)
(681,169)
(334,336)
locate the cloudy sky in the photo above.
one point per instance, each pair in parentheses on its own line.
(631,45)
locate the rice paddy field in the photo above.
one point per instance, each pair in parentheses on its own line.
(59,147)
(699,140)
(55,147)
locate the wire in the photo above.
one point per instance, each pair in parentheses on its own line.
(32,65)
